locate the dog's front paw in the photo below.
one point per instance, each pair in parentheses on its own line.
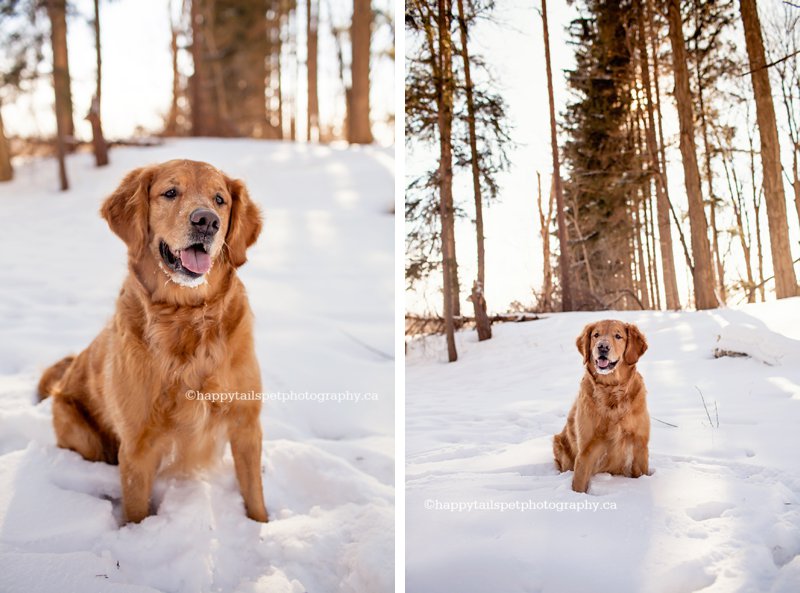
(579,485)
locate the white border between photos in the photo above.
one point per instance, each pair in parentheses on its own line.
(399,304)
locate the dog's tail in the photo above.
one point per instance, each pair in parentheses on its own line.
(52,375)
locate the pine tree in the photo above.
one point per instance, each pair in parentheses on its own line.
(600,157)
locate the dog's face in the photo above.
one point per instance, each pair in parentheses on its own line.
(187,215)
(607,344)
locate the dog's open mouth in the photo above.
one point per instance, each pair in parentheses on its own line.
(192,261)
(605,366)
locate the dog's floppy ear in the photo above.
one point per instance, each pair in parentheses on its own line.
(127,209)
(584,343)
(637,344)
(245,223)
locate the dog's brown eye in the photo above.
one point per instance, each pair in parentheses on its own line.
(219,199)
(596,336)
(619,337)
(170,193)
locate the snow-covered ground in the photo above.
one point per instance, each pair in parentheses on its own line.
(321,285)
(487,511)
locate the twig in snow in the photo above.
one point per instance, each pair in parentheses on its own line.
(662,422)
(708,414)
(363,344)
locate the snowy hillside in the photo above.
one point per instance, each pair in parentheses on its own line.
(321,285)
(487,510)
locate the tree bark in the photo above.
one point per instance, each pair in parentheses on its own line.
(482,322)
(312,113)
(98,140)
(563,256)
(6,170)
(445,85)
(702,276)
(57,13)
(785,278)
(358,104)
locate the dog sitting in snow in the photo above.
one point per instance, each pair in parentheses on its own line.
(182,325)
(608,427)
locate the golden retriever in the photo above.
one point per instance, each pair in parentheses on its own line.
(182,322)
(608,427)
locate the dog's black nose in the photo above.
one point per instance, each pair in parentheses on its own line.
(205,221)
(603,348)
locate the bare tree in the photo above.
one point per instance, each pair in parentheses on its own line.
(785,278)
(545,222)
(702,276)
(445,91)
(98,140)
(563,255)
(312,112)
(360,131)
(6,170)
(171,125)
(662,199)
(482,322)
(785,38)
(56,11)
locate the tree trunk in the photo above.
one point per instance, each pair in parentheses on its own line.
(563,256)
(796,180)
(785,279)
(6,170)
(545,220)
(737,201)
(98,140)
(57,13)
(661,142)
(651,250)
(171,127)
(445,120)
(719,273)
(640,236)
(229,51)
(312,113)
(702,275)
(358,105)
(279,67)
(56,10)
(482,322)
(662,201)
(756,214)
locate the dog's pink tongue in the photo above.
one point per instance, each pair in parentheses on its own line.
(602,363)
(195,260)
